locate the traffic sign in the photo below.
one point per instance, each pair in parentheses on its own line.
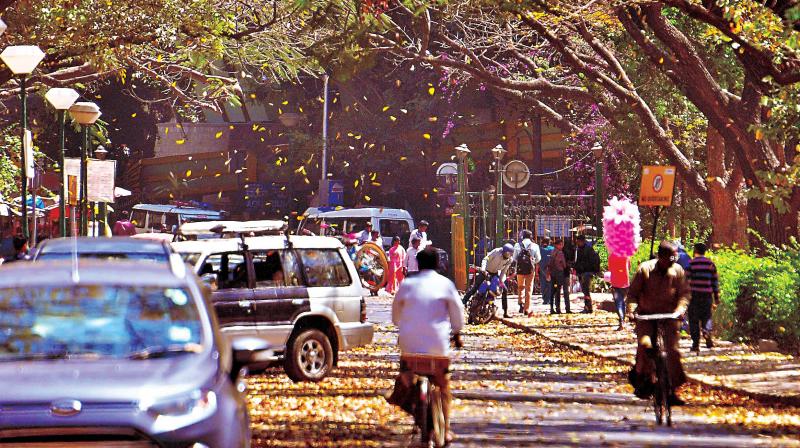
(658,184)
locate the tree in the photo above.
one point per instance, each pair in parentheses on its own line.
(725,59)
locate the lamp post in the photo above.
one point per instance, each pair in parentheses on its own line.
(462,152)
(22,60)
(500,228)
(62,99)
(323,182)
(597,149)
(85,114)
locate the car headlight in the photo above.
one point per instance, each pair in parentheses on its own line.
(182,411)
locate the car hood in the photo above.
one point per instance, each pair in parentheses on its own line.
(117,381)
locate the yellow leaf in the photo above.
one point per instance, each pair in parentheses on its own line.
(427,136)
(218,134)
(393,118)
(188,173)
(355,184)
(367,198)
(180,142)
(385,108)
(661,61)
(431,91)
(133,115)
(433,119)
(759,134)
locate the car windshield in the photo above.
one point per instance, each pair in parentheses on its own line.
(134,256)
(97,320)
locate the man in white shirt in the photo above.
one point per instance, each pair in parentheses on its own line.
(365,235)
(495,262)
(427,310)
(412,267)
(527,256)
(422,234)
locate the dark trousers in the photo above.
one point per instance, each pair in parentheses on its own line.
(699,315)
(560,282)
(479,279)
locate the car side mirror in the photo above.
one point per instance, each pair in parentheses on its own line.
(209,281)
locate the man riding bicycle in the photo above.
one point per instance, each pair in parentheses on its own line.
(427,309)
(660,286)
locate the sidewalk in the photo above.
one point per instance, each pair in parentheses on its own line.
(731,366)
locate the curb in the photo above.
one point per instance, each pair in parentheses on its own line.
(763,398)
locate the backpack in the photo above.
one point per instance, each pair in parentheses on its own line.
(524,263)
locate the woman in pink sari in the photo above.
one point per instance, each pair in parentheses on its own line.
(397,259)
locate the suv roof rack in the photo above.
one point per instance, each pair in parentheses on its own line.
(233,229)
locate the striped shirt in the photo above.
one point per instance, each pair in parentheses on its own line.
(703,275)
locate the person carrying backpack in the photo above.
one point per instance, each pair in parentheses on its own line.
(526,255)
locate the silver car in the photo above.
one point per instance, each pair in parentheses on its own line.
(114,354)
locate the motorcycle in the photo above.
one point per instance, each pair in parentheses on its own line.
(481,307)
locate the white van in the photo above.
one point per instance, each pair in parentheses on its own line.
(389,222)
(151,218)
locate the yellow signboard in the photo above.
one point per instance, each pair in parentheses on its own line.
(658,183)
(459,252)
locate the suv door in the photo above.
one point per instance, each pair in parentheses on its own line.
(280,293)
(232,297)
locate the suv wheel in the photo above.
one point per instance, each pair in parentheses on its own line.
(310,356)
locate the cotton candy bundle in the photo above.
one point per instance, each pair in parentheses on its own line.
(621,227)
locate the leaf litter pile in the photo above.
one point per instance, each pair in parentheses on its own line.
(348,408)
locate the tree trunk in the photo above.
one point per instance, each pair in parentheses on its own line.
(728,203)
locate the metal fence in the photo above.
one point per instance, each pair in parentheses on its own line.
(553,216)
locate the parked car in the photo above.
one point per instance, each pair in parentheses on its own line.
(114,354)
(300,295)
(153,218)
(389,221)
(116,248)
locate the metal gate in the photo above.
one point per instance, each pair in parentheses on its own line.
(553,216)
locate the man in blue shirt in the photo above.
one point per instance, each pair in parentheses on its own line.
(547,285)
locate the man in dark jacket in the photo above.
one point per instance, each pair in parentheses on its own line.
(587,265)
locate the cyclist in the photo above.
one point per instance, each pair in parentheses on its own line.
(659,286)
(427,310)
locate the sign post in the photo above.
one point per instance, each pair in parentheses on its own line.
(658,186)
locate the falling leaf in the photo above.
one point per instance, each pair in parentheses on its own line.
(431,91)
(433,119)
(393,118)
(188,173)
(218,134)
(367,198)
(133,115)
(385,108)
(180,142)
(427,136)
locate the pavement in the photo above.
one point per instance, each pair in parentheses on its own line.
(732,366)
(512,389)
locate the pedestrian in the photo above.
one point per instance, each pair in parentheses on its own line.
(545,284)
(704,284)
(587,265)
(375,238)
(660,286)
(557,274)
(494,263)
(620,281)
(422,233)
(683,258)
(397,260)
(365,235)
(20,250)
(411,266)
(527,256)
(123,226)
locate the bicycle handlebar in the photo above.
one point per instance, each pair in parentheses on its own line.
(663,316)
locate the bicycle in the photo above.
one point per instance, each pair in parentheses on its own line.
(658,354)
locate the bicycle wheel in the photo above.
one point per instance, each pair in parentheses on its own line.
(436,413)
(665,385)
(423,408)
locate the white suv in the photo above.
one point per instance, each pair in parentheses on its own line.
(301,295)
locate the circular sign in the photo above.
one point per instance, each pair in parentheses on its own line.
(516,174)
(658,183)
(372,266)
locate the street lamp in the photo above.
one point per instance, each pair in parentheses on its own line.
(462,152)
(22,60)
(62,99)
(500,229)
(86,114)
(597,150)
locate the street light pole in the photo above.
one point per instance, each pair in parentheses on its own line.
(500,228)
(85,114)
(597,149)
(22,61)
(62,99)
(323,182)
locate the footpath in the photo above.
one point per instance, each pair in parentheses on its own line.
(736,367)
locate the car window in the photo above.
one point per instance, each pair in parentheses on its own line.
(224,271)
(324,267)
(161,257)
(394,227)
(103,320)
(276,268)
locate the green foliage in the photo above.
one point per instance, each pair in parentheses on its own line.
(760,296)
